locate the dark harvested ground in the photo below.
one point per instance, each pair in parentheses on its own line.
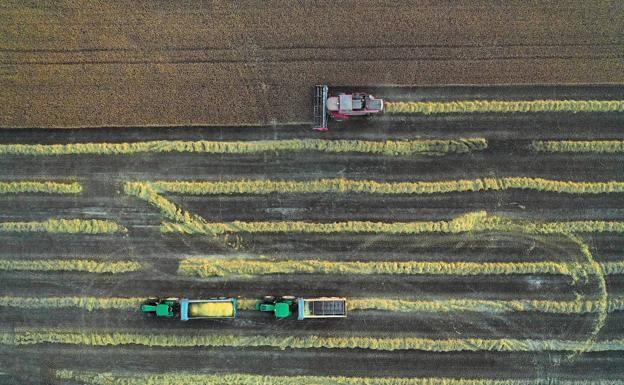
(186,65)
(507,155)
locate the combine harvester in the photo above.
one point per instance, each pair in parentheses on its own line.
(305,308)
(342,106)
(188,309)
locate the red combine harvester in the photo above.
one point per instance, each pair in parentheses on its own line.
(342,106)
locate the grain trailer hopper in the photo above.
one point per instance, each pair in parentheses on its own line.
(188,309)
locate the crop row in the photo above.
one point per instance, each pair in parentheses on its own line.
(354,304)
(486,306)
(221,267)
(341,185)
(69,226)
(389,148)
(26,336)
(86,303)
(188,378)
(590,146)
(612,267)
(90,266)
(40,187)
(476,221)
(495,106)
(146,192)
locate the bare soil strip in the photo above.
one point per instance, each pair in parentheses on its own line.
(311,362)
(110,378)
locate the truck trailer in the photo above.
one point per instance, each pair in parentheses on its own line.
(304,308)
(188,309)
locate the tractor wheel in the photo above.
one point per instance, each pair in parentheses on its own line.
(152,300)
(288,297)
(172,299)
(268,299)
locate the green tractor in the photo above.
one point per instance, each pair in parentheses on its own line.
(281,307)
(157,307)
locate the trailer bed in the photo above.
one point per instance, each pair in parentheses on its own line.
(326,307)
(207,308)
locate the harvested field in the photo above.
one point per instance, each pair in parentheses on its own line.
(164,149)
(461,251)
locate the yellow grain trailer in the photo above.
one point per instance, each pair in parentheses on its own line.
(207,308)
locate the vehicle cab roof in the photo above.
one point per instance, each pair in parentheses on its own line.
(346,103)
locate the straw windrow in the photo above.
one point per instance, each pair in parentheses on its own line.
(83,265)
(387,148)
(25,336)
(47,187)
(223,267)
(68,226)
(579,146)
(339,186)
(496,106)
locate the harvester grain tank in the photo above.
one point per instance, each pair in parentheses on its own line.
(342,106)
(189,309)
(304,308)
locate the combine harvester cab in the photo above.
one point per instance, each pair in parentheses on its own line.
(342,106)
(188,309)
